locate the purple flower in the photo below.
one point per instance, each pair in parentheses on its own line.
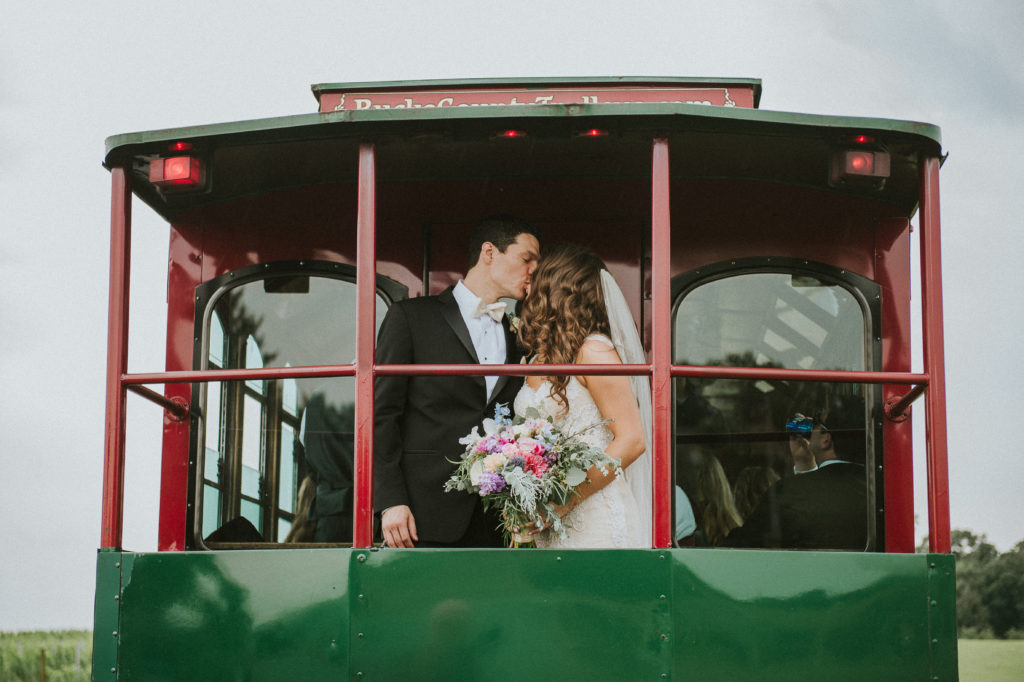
(516,461)
(490,483)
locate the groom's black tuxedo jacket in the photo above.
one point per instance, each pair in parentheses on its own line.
(419,419)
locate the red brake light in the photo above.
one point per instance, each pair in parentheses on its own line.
(593,132)
(180,146)
(870,165)
(180,172)
(860,163)
(511,133)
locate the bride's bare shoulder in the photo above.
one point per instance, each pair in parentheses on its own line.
(597,349)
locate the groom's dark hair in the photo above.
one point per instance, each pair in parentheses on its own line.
(500,230)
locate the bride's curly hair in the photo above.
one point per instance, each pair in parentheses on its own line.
(564,306)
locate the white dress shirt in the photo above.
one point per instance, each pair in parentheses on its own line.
(488,336)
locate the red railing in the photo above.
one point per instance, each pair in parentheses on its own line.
(660,370)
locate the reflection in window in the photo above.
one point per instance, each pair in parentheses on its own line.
(734,459)
(263,460)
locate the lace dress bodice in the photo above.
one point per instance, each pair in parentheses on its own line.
(608,518)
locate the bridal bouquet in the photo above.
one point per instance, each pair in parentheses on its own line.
(524,467)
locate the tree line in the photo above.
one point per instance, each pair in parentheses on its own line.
(989,587)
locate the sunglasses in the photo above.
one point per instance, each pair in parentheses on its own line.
(803,426)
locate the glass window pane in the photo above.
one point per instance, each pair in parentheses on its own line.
(771,320)
(211,509)
(213,434)
(211,470)
(290,396)
(253,360)
(252,429)
(283,528)
(285,322)
(328,441)
(748,482)
(216,341)
(251,511)
(287,485)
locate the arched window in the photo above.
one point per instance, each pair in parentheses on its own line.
(277,454)
(740,444)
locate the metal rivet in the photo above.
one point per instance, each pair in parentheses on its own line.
(934,603)
(664,637)
(661,597)
(113,670)
(935,641)
(117,596)
(114,633)
(661,556)
(359,676)
(362,596)
(361,558)
(932,564)
(664,676)
(558,558)
(361,635)
(117,565)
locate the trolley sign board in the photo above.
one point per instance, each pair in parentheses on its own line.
(338,98)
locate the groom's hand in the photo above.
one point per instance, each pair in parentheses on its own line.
(399,526)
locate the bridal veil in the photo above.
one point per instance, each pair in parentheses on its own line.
(627,344)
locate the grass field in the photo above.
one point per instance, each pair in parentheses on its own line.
(991,660)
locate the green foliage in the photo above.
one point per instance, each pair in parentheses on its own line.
(989,587)
(67,655)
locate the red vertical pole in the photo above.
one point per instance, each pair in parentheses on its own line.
(661,352)
(366,294)
(117,359)
(934,359)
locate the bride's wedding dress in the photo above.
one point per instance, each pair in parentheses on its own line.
(610,518)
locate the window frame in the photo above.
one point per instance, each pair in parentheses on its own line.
(868,295)
(207,295)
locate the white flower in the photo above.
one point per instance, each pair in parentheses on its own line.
(471,438)
(475,472)
(491,427)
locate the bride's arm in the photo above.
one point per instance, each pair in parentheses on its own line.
(615,399)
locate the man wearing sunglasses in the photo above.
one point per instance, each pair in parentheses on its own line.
(822,507)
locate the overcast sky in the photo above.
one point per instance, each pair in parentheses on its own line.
(73,73)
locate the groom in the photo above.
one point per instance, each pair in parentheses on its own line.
(418,420)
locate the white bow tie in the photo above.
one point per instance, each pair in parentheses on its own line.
(495,310)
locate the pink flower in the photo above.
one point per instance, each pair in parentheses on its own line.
(529,446)
(536,465)
(509,449)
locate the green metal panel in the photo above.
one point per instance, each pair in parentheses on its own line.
(107,610)
(942,615)
(764,615)
(235,615)
(532,615)
(529,614)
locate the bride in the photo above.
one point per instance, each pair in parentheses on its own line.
(575,313)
